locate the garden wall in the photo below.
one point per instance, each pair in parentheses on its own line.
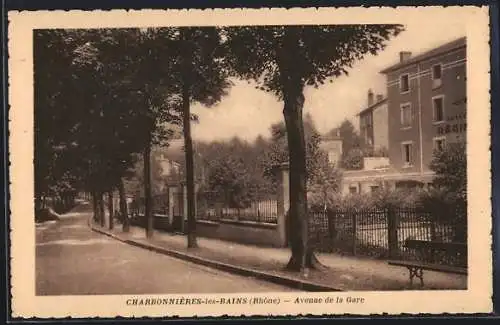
(244,232)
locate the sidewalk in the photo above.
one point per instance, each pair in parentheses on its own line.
(343,273)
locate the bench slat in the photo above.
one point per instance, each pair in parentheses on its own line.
(431,267)
(436,245)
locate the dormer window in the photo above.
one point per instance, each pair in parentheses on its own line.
(404,83)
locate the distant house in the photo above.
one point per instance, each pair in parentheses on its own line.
(332,145)
(373,122)
(169,167)
(171,160)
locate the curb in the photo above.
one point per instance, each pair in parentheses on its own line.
(276,279)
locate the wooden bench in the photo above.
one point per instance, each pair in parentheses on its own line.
(427,251)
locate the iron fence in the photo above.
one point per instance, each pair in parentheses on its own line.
(160,205)
(382,233)
(215,206)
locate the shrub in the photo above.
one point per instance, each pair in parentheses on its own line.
(399,198)
(442,202)
(335,201)
(383,198)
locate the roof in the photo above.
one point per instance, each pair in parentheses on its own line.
(375,105)
(445,48)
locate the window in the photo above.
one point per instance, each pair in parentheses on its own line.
(407,148)
(404,83)
(437,72)
(438,108)
(374,189)
(439,143)
(406,115)
(353,189)
(368,120)
(367,137)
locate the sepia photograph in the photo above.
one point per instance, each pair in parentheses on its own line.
(228,165)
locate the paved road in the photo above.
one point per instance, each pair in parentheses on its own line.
(73,260)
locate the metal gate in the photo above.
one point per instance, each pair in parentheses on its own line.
(178,212)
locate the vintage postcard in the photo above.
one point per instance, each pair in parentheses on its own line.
(250,162)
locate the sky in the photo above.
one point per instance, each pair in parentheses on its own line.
(247,112)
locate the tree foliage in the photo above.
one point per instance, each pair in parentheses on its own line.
(108,100)
(450,168)
(235,170)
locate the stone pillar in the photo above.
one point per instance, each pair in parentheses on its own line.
(185,209)
(283,199)
(106,215)
(196,190)
(171,203)
(184,192)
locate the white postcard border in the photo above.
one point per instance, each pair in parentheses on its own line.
(477,298)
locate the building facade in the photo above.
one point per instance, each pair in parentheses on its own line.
(425,110)
(426,106)
(373,122)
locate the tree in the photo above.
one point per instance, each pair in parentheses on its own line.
(234,169)
(156,96)
(126,97)
(283,60)
(324,180)
(277,152)
(353,159)
(447,198)
(201,77)
(450,168)
(54,121)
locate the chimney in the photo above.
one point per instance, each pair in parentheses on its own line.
(380,98)
(404,56)
(370,97)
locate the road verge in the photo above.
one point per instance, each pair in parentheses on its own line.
(291,282)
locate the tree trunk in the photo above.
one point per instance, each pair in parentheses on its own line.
(303,256)
(111,208)
(95,205)
(297,178)
(148,213)
(101,209)
(188,146)
(123,207)
(38,202)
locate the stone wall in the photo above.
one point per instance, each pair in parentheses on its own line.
(244,232)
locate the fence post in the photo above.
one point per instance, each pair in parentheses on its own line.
(219,211)
(392,232)
(282,203)
(331,218)
(354,231)
(433,218)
